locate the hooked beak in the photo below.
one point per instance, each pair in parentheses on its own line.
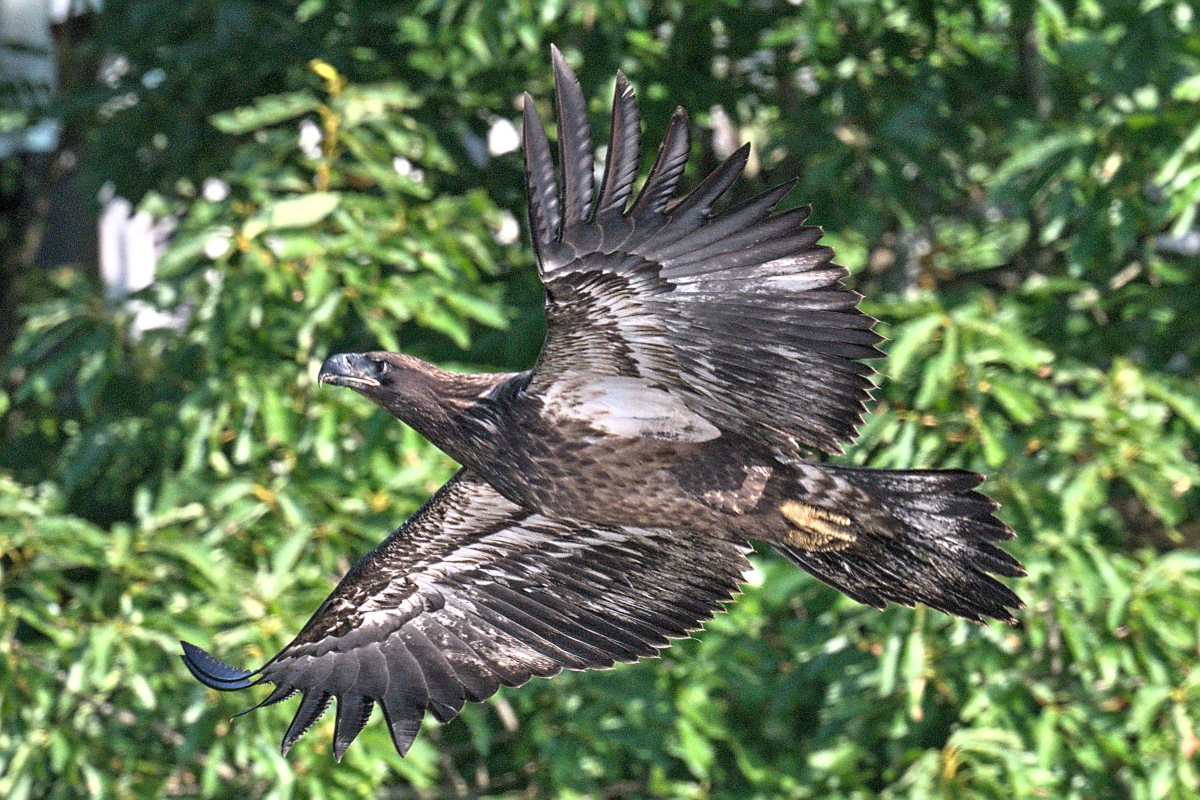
(347,369)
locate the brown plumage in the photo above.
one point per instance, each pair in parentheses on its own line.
(608,495)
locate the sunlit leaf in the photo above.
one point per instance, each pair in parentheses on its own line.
(268,110)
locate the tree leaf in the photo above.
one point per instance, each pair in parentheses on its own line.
(265,111)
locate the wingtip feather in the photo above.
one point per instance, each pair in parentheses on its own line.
(699,201)
(541,189)
(312,707)
(574,143)
(668,167)
(353,712)
(212,671)
(624,151)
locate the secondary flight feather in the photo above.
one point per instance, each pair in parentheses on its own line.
(608,496)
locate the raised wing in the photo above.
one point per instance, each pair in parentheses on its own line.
(474,592)
(740,315)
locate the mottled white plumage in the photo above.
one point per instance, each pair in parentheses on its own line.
(627,407)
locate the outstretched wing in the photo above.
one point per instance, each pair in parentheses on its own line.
(740,315)
(474,592)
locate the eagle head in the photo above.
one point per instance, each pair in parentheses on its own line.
(375,375)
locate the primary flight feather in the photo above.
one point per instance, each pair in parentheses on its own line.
(608,495)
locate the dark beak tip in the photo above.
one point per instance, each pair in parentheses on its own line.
(334,367)
(346,369)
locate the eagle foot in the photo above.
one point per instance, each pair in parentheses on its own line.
(816,529)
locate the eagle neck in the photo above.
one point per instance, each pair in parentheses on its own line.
(461,415)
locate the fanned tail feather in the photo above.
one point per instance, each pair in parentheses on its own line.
(942,556)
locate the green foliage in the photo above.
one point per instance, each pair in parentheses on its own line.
(1003,178)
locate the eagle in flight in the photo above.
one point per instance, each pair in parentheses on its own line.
(608,495)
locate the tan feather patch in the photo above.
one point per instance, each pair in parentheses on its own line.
(816,528)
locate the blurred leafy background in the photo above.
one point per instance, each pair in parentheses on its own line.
(1014,186)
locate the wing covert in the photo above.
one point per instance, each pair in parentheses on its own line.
(474,592)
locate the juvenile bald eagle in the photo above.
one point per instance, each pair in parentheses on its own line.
(607,496)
